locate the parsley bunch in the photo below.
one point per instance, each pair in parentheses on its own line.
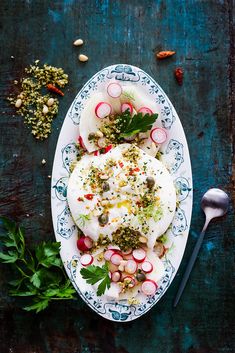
(38,274)
(131,125)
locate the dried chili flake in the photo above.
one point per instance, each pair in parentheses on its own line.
(89,196)
(179,74)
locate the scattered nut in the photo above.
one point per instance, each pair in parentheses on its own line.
(18,103)
(45,109)
(78,42)
(83,58)
(99,133)
(15,82)
(12,57)
(50,102)
(49,176)
(164,54)
(43,161)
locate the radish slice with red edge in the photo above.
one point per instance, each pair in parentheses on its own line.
(84,243)
(127,106)
(102,110)
(139,255)
(131,281)
(147,267)
(116,259)
(158,135)
(86,259)
(114,90)
(116,276)
(145,110)
(81,143)
(131,267)
(108,254)
(149,287)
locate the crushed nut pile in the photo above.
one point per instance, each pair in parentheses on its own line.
(33,103)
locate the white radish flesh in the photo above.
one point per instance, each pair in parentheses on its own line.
(108,254)
(147,267)
(102,110)
(145,110)
(139,255)
(116,276)
(127,106)
(116,259)
(158,135)
(84,243)
(149,287)
(114,90)
(86,259)
(131,267)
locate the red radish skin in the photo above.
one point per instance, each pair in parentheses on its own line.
(114,90)
(139,255)
(116,276)
(158,135)
(131,267)
(149,287)
(145,110)
(81,143)
(108,254)
(96,153)
(86,259)
(108,148)
(102,110)
(147,267)
(116,259)
(127,106)
(84,243)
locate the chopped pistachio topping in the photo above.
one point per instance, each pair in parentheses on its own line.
(126,238)
(37,112)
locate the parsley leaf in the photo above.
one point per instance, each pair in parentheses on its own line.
(93,274)
(38,273)
(138,123)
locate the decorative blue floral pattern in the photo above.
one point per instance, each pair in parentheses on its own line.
(175,150)
(182,187)
(176,156)
(69,155)
(65,225)
(179,224)
(61,188)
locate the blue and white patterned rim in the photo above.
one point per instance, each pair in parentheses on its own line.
(175,156)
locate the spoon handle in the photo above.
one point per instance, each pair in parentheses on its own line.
(190,264)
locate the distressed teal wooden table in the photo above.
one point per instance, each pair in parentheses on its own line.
(202,33)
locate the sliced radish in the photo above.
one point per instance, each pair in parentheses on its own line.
(86,259)
(101,142)
(128,257)
(147,267)
(145,110)
(130,280)
(127,252)
(116,276)
(116,259)
(114,90)
(108,254)
(84,243)
(139,255)
(102,110)
(127,106)
(131,267)
(158,135)
(81,143)
(114,247)
(149,287)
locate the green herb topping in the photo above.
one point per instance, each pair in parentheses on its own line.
(126,238)
(93,274)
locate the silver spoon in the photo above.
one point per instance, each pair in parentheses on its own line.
(214,204)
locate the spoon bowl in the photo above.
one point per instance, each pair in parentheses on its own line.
(215,203)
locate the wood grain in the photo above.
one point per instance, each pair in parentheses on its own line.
(202,34)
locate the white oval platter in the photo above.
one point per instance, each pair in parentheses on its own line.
(175,156)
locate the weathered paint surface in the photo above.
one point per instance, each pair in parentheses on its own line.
(129,32)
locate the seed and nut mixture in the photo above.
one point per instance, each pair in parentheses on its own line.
(32,102)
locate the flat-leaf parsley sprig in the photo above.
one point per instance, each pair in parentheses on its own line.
(39,275)
(93,274)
